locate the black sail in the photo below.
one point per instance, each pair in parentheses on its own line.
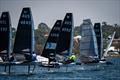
(51,43)
(24,40)
(66,36)
(5,29)
(98,32)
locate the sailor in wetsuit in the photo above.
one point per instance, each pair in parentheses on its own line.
(12,57)
(30,57)
(71,59)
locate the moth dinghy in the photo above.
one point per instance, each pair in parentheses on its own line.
(24,45)
(60,41)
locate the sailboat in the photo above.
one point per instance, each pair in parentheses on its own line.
(24,40)
(88,43)
(99,37)
(5,33)
(105,54)
(49,50)
(62,40)
(65,42)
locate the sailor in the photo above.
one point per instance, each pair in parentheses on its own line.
(34,56)
(30,57)
(71,59)
(12,57)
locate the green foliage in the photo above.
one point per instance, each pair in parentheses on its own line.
(109,29)
(77,31)
(13,32)
(40,33)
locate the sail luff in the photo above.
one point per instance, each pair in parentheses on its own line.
(32,34)
(101,43)
(71,39)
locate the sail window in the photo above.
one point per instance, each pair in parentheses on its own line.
(50,45)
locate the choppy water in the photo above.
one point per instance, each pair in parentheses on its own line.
(75,72)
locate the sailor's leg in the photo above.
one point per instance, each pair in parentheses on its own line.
(5,67)
(9,68)
(34,66)
(28,69)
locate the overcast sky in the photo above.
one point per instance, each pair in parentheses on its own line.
(48,11)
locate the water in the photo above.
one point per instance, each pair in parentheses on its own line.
(75,72)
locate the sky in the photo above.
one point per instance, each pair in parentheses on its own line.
(48,11)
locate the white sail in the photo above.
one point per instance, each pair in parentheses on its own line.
(108,46)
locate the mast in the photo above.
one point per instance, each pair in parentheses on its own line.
(10,36)
(32,34)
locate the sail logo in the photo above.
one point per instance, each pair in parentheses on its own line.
(55,35)
(25,22)
(68,17)
(68,23)
(3,22)
(50,45)
(4,16)
(58,23)
(3,29)
(26,16)
(25,11)
(97,30)
(56,28)
(66,29)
